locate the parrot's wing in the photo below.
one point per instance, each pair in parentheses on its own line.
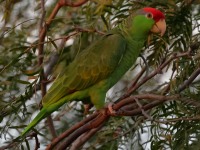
(90,66)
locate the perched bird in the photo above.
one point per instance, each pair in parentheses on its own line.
(96,69)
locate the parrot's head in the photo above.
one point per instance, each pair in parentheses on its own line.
(148,20)
(158,17)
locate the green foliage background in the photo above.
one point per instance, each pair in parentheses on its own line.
(20,74)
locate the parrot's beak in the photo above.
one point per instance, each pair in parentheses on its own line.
(159,27)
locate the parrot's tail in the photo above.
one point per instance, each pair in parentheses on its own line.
(42,114)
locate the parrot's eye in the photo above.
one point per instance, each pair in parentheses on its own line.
(149,15)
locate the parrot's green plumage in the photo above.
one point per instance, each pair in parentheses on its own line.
(96,69)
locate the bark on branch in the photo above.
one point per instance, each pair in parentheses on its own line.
(95,121)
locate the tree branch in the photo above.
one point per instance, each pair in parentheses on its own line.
(189,81)
(157,71)
(71,130)
(72,4)
(84,138)
(96,120)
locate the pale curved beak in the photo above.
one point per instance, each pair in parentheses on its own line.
(159,27)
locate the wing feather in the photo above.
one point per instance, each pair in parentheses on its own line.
(90,66)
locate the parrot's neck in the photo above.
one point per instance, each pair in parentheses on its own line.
(134,46)
(132,30)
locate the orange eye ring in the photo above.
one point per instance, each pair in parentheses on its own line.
(149,15)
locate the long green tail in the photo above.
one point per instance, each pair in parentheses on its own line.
(48,109)
(42,114)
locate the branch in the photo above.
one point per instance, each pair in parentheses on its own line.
(37,143)
(96,120)
(157,99)
(43,30)
(84,138)
(71,130)
(137,78)
(71,4)
(9,146)
(189,81)
(51,126)
(157,71)
(196,118)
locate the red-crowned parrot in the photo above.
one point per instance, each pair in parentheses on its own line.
(96,69)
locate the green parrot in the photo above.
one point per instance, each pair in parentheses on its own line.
(98,68)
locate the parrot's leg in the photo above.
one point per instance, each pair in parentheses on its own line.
(97,98)
(98,94)
(87,107)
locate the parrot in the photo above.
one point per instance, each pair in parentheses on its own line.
(102,64)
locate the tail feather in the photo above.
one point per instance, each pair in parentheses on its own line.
(42,114)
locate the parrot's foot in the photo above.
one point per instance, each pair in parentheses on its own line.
(111,110)
(87,107)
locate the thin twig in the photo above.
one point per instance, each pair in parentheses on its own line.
(137,78)
(157,71)
(37,143)
(51,127)
(143,112)
(189,81)
(169,121)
